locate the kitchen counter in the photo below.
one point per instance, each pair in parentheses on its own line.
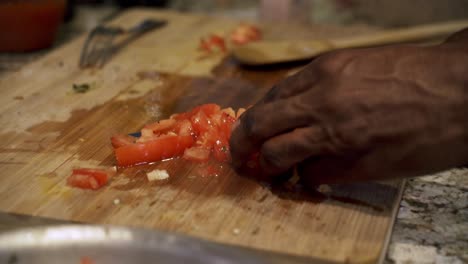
(432,223)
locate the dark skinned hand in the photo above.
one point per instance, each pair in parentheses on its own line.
(363,114)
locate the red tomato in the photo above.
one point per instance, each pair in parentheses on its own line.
(244,34)
(121,140)
(203,131)
(183,128)
(199,154)
(200,123)
(154,150)
(208,139)
(86,178)
(162,126)
(226,126)
(221,150)
(212,43)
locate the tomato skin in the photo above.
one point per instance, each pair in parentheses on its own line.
(162,126)
(86,178)
(154,150)
(122,140)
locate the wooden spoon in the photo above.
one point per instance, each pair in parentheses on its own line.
(269,52)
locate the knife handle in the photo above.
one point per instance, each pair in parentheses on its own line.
(415,33)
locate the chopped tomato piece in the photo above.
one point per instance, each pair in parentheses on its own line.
(212,43)
(199,154)
(195,135)
(221,150)
(121,140)
(245,33)
(200,123)
(86,178)
(226,126)
(154,150)
(183,128)
(162,126)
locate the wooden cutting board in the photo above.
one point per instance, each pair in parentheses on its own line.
(46,130)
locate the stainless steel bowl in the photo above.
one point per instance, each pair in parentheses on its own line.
(106,244)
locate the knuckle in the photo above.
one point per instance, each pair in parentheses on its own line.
(251,124)
(335,141)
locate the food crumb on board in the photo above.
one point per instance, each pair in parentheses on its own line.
(236,231)
(81,139)
(116,201)
(157,175)
(81,88)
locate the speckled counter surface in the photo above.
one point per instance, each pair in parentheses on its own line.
(432,223)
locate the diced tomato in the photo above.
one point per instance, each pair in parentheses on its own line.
(199,154)
(195,135)
(183,128)
(122,140)
(221,150)
(212,43)
(245,33)
(154,150)
(162,126)
(200,123)
(208,139)
(226,126)
(86,178)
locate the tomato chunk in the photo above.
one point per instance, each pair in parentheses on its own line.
(121,140)
(196,135)
(154,150)
(212,43)
(199,154)
(86,178)
(244,34)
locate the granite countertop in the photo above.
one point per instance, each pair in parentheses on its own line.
(432,223)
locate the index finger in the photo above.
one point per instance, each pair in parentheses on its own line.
(262,122)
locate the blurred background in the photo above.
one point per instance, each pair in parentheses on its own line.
(29,27)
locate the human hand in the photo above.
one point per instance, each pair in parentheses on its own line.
(365,114)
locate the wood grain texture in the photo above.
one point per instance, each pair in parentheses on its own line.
(46,130)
